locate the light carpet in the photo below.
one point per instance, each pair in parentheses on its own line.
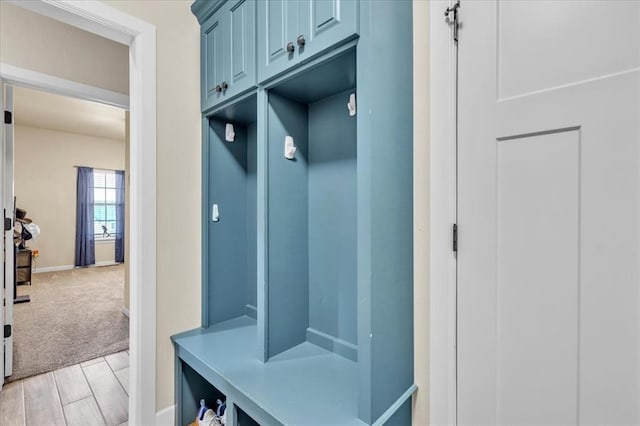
(73,316)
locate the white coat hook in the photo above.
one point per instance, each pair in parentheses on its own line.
(229,133)
(215,214)
(289,148)
(351,106)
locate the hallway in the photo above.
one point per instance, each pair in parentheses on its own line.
(91,393)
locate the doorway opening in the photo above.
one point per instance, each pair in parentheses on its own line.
(71,250)
(140,37)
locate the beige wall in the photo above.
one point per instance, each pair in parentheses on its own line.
(421,207)
(65,52)
(178,170)
(45,186)
(38,43)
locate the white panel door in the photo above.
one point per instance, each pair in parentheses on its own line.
(7,210)
(548,213)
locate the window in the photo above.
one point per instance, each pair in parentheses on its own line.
(104,209)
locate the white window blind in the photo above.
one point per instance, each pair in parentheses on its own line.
(104,210)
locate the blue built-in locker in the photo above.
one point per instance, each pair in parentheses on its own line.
(307,259)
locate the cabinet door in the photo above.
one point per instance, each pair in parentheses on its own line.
(213,56)
(324,24)
(277,27)
(241,62)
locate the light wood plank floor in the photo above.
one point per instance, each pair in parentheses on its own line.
(92,393)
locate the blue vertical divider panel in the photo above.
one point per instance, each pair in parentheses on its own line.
(288,282)
(252,218)
(262,235)
(205,210)
(385,205)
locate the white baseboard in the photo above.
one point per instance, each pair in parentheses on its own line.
(68,267)
(166,417)
(125,312)
(105,263)
(53,269)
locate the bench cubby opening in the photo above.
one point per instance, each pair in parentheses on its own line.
(194,388)
(242,418)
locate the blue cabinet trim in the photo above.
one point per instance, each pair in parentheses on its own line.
(203,9)
(215,109)
(395,406)
(206,212)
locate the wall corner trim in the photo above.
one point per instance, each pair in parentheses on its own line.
(166,416)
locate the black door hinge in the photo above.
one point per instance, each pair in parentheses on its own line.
(451,15)
(7,331)
(7,224)
(8,117)
(455,238)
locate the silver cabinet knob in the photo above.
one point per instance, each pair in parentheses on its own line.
(218,88)
(301,40)
(225,86)
(290,47)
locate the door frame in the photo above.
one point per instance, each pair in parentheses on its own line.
(140,36)
(8,277)
(443,200)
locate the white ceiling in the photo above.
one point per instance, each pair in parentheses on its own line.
(48,111)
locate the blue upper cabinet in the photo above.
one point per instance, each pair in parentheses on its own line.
(212,50)
(228,48)
(241,45)
(323,24)
(297,31)
(278,23)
